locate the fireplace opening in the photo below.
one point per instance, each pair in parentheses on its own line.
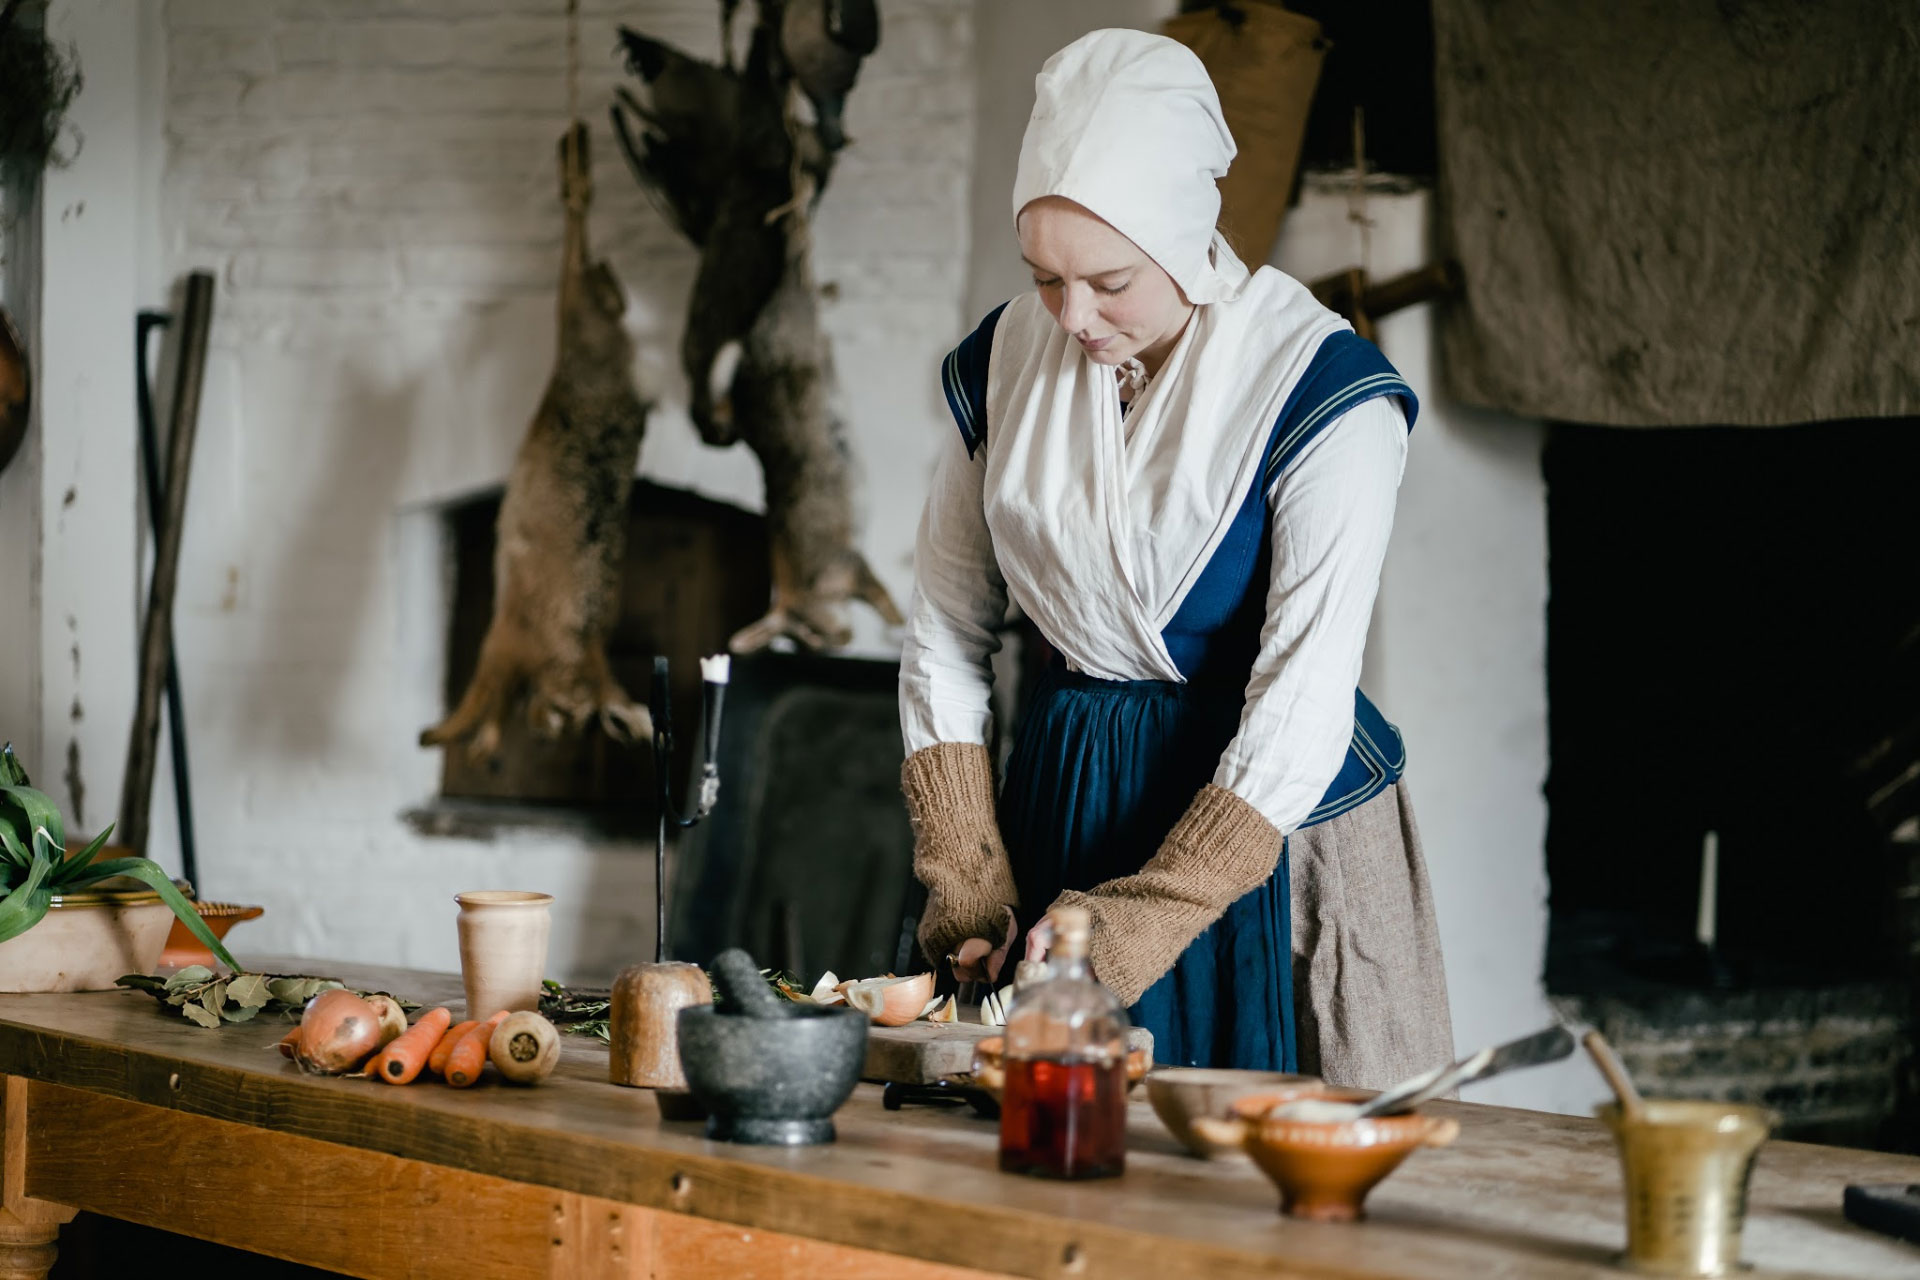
(1733,637)
(696,570)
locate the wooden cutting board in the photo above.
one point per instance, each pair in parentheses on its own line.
(923,1052)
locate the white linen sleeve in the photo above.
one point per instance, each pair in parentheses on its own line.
(1332,515)
(959,603)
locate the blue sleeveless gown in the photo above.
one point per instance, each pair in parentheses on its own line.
(1101,770)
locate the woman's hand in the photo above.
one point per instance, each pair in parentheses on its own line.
(979,960)
(1040,941)
(1040,938)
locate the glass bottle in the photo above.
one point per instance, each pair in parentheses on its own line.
(1063,1109)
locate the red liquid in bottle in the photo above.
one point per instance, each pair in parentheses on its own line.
(1064,1119)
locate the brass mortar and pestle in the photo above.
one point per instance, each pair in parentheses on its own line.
(643,1020)
(1686,1166)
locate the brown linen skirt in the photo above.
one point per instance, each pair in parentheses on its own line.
(1369,988)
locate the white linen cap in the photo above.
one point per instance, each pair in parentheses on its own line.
(1127,125)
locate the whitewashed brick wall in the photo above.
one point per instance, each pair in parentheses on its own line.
(374,183)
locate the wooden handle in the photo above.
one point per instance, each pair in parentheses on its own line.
(1603,1056)
(156,633)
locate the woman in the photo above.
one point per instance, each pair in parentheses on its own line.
(1184,475)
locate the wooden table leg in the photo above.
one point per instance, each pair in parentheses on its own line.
(26,1248)
(28,1227)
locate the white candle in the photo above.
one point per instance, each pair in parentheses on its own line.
(1707,921)
(715,670)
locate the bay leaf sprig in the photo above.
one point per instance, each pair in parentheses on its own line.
(210,999)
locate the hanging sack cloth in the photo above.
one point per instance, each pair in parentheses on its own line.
(1265,63)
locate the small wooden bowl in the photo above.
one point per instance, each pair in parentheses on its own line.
(183,948)
(990,1073)
(1324,1169)
(1181,1095)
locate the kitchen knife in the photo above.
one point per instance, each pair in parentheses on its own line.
(1549,1045)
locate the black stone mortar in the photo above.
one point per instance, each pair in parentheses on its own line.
(770,1072)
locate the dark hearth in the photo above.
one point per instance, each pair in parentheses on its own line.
(1734,648)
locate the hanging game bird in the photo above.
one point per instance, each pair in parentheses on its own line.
(739,173)
(823,42)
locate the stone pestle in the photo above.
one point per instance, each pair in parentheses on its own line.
(743,991)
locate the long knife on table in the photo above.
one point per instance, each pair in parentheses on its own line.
(1550,1045)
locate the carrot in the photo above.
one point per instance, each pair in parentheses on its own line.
(469,1056)
(437,1060)
(407,1052)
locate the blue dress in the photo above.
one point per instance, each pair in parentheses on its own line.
(1101,770)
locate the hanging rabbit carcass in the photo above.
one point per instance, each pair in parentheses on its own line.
(562,529)
(727,152)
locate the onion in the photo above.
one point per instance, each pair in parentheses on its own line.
(891,1002)
(338,1032)
(524,1048)
(393,1019)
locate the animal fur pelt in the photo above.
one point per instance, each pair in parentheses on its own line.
(562,528)
(739,171)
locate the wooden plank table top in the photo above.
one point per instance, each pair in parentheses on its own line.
(1519,1193)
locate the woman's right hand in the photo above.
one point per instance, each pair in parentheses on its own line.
(970,961)
(978,959)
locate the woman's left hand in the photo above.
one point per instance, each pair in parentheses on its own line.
(1040,941)
(1040,938)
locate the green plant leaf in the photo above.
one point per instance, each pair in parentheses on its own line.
(149,982)
(71,865)
(39,809)
(200,1015)
(214,998)
(12,772)
(16,852)
(239,1013)
(27,905)
(148,871)
(249,991)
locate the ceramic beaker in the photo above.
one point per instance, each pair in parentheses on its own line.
(1686,1166)
(503,948)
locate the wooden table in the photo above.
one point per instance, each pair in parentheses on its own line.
(115,1107)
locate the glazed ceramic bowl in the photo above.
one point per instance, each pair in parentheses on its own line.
(990,1072)
(1324,1169)
(1182,1094)
(183,948)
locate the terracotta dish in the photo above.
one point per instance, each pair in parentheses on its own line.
(1182,1094)
(1324,1169)
(16,390)
(989,1070)
(183,948)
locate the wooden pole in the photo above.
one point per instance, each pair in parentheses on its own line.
(156,636)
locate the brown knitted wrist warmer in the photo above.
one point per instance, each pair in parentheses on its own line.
(1221,849)
(957,852)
